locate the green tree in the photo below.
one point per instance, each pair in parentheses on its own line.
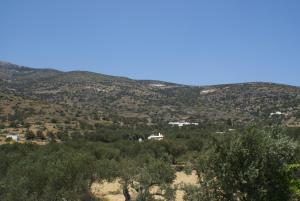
(153,172)
(248,166)
(293,170)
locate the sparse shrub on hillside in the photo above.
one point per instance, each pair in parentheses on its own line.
(54,121)
(62,135)
(40,135)
(29,135)
(76,135)
(51,136)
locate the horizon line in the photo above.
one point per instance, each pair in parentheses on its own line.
(153,80)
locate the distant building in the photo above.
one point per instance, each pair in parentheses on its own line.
(182,123)
(14,137)
(159,136)
(276,113)
(157,85)
(207,91)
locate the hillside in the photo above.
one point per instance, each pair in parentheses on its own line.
(95,131)
(126,100)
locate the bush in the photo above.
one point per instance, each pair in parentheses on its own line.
(54,121)
(29,135)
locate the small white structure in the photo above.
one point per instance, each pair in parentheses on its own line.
(208,91)
(157,85)
(14,137)
(276,113)
(156,137)
(182,123)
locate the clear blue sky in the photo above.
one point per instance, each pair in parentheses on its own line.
(195,42)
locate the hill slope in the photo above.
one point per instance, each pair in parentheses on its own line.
(151,101)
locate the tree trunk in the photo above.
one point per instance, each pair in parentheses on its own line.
(126,193)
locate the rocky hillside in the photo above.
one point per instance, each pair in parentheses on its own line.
(128,100)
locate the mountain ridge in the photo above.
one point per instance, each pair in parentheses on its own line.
(151,101)
(3,63)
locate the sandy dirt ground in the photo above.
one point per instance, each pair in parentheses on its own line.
(112,191)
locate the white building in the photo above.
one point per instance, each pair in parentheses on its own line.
(157,85)
(182,123)
(207,91)
(14,137)
(156,137)
(276,113)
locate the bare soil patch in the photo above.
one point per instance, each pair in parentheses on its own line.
(112,191)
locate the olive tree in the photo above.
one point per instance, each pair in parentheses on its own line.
(247,166)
